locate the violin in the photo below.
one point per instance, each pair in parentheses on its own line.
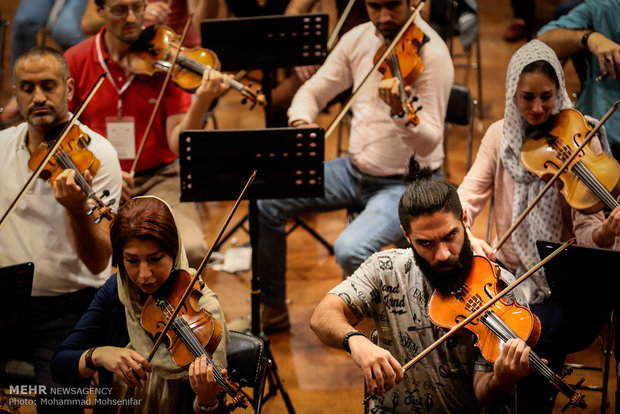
(194,331)
(405,64)
(499,323)
(72,154)
(591,181)
(154,52)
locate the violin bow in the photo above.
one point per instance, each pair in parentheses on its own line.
(552,180)
(382,58)
(482,309)
(200,269)
(55,147)
(339,23)
(147,131)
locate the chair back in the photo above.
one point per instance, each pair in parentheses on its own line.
(460,105)
(247,364)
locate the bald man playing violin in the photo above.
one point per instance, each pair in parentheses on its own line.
(49,226)
(392,288)
(123,106)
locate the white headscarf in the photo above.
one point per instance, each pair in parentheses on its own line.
(162,390)
(544,222)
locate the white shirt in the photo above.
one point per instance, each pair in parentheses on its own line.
(38,230)
(380,145)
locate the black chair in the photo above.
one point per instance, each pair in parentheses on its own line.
(247,364)
(460,111)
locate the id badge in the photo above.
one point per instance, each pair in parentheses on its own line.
(121,132)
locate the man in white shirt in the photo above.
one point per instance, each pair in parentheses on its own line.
(50,226)
(381,142)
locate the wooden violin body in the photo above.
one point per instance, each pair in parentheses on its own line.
(405,64)
(498,324)
(447,311)
(72,154)
(194,331)
(591,181)
(155,51)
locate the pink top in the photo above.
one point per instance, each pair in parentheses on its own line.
(380,145)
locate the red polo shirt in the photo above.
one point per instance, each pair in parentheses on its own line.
(138,100)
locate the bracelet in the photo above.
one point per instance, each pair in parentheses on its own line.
(88,358)
(207,408)
(345,340)
(584,38)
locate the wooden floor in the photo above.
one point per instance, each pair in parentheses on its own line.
(319,379)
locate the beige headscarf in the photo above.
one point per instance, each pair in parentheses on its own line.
(165,387)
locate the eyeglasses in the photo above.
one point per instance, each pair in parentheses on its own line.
(122,12)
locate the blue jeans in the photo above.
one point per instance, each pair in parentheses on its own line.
(31,16)
(376,226)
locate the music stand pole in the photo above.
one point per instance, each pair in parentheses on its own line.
(289,162)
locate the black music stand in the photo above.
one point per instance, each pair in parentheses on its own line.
(585,278)
(268,43)
(216,164)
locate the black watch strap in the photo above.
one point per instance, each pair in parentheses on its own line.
(584,38)
(345,340)
(88,358)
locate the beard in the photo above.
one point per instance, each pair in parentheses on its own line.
(447,276)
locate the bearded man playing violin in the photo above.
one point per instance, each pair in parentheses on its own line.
(393,288)
(123,108)
(50,227)
(369,178)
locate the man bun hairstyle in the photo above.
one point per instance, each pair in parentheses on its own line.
(425,195)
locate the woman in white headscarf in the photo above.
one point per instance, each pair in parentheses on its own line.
(535,91)
(110,339)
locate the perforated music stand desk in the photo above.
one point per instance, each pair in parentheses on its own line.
(267,42)
(216,164)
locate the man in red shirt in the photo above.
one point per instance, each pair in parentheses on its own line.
(123,105)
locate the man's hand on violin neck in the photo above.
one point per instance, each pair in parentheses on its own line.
(512,364)
(389,92)
(69,194)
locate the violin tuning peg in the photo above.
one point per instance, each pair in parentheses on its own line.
(105,193)
(419,108)
(244,101)
(90,211)
(567,406)
(111,202)
(415,99)
(97,220)
(579,383)
(568,372)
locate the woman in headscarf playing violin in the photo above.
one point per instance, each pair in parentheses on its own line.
(110,338)
(535,92)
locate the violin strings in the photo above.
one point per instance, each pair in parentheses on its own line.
(492,321)
(189,338)
(584,174)
(582,171)
(67,163)
(199,68)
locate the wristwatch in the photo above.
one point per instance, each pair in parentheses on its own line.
(584,38)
